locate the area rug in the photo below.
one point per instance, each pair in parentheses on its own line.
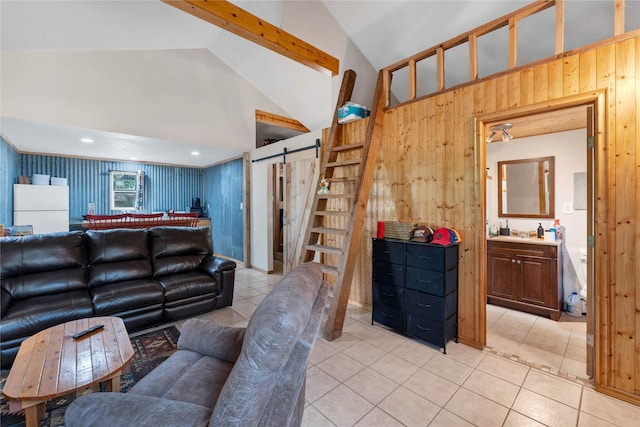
(150,349)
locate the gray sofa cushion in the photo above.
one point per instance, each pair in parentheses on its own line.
(186,376)
(120,409)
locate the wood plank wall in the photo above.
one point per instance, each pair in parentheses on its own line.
(429,172)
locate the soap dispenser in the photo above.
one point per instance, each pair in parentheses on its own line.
(540,231)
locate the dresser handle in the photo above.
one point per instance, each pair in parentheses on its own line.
(513,260)
(386,315)
(424,305)
(424,281)
(384,294)
(424,329)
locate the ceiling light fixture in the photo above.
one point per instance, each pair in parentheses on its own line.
(195,153)
(87,140)
(504,127)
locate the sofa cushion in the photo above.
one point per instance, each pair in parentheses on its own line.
(42,264)
(117,255)
(133,410)
(29,316)
(178,249)
(186,285)
(122,296)
(186,376)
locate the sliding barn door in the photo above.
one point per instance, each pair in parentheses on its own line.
(300,176)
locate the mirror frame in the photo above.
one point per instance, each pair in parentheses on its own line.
(540,161)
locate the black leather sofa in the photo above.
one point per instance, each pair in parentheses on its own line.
(146,277)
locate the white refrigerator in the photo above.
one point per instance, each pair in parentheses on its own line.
(45,207)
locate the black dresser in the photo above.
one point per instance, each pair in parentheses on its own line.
(415,289)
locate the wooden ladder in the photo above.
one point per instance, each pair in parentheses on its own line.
(338,217)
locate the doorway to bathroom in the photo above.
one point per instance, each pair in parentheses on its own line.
(564,133)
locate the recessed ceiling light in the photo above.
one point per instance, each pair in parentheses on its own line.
(195,153)
(134,158)
(87,140)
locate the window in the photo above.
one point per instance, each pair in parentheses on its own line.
(124,191)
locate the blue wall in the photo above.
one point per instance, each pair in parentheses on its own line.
(224,190)
(221,187)
(9,171)
(166,187)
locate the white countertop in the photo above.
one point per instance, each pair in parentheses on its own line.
(533,240)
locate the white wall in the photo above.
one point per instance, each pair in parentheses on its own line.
(570,151)
(262,193)
(312,22)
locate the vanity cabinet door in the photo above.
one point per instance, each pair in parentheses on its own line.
(501,273)
(536,280)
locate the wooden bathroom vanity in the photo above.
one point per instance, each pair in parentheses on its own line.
(525,274)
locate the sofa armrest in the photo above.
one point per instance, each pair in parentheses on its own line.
(214,265)
(211,339)
(130,409)
(5,300)
(224,271)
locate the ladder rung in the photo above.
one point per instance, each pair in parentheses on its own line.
(324,249)
(343,179)
(344,163)
(332,213)
(330,269)
(326,230)
(336,196)
(348,147)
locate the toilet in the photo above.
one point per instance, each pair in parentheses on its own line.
(583,279)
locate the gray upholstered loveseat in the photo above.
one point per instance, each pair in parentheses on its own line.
(222,376)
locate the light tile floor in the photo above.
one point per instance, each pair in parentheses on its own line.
(371,376)
(554,345)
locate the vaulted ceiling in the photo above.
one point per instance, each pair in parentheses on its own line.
(149,82)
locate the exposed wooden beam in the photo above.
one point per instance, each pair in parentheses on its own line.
(244,24)
(282,121)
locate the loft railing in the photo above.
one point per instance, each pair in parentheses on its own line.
(471,37)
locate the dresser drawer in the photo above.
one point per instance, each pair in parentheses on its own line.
(388,315)
(434,307)
(432,282)
(432,257)
(392,274)
(388,251)
(388,294)
(433,331)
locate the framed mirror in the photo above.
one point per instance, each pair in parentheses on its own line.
(526,188)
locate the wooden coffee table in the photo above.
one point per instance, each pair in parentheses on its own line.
(50,364)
